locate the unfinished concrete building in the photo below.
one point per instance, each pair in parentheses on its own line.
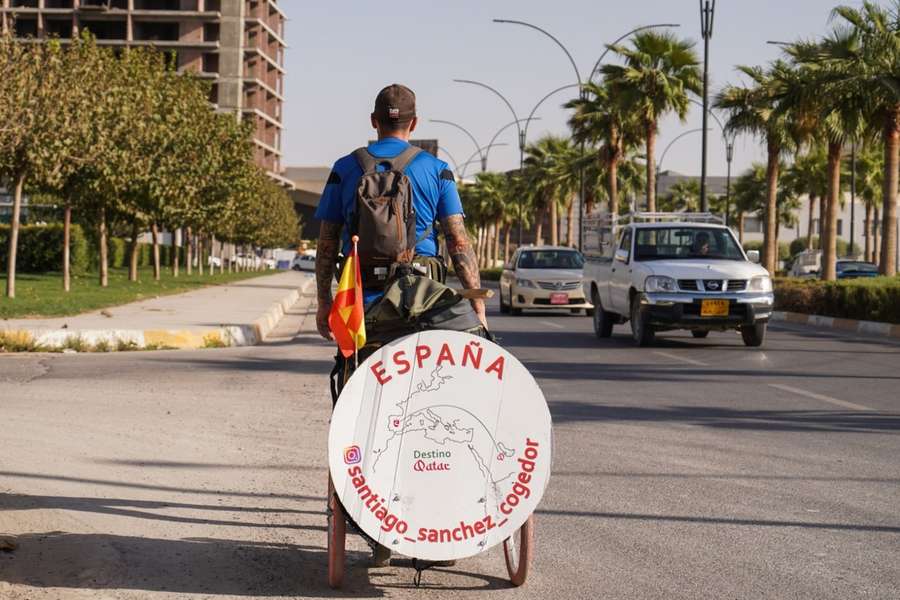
(237,44)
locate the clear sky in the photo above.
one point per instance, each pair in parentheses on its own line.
(342,53)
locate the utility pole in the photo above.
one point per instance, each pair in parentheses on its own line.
(707,15)
(852,198)
(729,156)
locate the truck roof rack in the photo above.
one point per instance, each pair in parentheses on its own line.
(598,230)
(685,217)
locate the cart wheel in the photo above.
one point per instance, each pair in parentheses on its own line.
(517,550)
(337,535)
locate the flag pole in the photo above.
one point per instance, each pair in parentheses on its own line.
(355,240)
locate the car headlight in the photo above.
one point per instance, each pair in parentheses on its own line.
(525,283)
(760,284)
(660,283)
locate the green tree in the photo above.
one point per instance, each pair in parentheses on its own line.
(872,69)
(37,110)
(683,196)
(751,109)
(660,71)
(807,175)
(869,187)
(601,119)
(834,118)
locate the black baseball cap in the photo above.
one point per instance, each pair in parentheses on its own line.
(395,104)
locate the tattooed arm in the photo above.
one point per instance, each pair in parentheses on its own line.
(326,262)
(465,264)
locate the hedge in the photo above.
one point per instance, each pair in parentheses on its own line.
(40,248)
(876,299)
(843,247)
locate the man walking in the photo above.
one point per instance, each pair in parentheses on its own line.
(434,198)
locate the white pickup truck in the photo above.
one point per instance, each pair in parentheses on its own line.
(663,271)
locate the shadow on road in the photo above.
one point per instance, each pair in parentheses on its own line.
(722,521)
(142,509)
(188,566)
(158,488)
(727,418)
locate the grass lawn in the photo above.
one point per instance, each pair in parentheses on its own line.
(43,296)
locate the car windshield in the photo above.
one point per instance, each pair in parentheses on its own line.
(862,267)
(685,242)
(551,259)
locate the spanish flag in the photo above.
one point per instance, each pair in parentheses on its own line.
(347,317)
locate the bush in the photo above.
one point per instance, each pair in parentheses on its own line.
(491,274)
(40,248)
(843,247)
(876,299)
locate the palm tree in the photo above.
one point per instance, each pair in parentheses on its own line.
(872,69)
(835,118)
(808,176)
(683,196)
(549,169)
(751,191)
(659,72)
(748,194)
(752,109)
(869,186)
(601,118)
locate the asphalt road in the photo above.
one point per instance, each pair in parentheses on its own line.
(693,469)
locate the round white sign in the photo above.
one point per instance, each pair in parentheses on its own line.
(439,445)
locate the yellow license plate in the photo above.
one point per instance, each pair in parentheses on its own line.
(714,308)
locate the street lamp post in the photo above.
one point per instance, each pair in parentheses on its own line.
(729,156)
(707,15)
(581,95)
(521,133)
(666,151)
(852,197)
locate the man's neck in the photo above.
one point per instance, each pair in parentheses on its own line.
(393,136)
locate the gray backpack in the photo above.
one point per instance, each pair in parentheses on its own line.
(384,217)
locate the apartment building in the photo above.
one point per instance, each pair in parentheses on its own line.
(237,44)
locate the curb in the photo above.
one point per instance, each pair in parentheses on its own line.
(178,339)
(886,330)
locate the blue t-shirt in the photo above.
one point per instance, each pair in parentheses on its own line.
(434,192)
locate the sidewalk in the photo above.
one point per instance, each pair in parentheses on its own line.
(237,314)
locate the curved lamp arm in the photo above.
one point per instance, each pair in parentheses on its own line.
(549,35)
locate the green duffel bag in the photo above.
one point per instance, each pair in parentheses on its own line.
(411,303)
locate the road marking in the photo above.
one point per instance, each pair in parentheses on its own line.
(689,361)
(814,396)
(552,324)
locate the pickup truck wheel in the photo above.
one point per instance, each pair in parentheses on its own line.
(641,330)
(700,334)
(504,308)
(603,323)
(754,335)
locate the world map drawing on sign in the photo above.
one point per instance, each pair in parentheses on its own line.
(430,412)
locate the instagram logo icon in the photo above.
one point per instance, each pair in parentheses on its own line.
(352,455)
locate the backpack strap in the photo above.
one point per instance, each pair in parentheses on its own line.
(402,160)
(367,162)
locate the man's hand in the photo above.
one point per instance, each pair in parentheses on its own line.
(322,321)
(465,264)
(326,262)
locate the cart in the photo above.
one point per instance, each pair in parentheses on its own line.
(517,549)
(512,454)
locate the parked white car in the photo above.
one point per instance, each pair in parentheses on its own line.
(304,262)
(543,278)
(677,271)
